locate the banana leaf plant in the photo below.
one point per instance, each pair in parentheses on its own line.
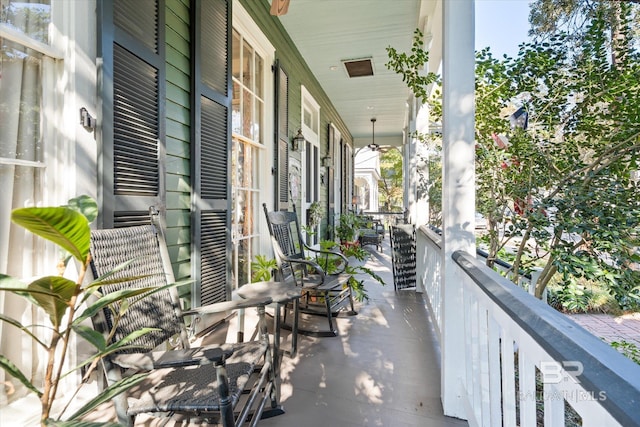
(66,304)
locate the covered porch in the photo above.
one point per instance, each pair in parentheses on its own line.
(382,370)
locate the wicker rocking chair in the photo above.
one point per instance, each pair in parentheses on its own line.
(229,384)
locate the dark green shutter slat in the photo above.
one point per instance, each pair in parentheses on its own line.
(136,127)
(130,219)
(214,257)
(283,169)
(139,18)
(214,150)
(282,123)
(214,40)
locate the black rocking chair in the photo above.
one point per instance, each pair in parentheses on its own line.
(322,281)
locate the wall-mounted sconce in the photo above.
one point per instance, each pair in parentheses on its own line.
(322,179)
(327,161)
(298,141)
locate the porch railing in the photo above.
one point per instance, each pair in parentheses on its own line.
(526,363)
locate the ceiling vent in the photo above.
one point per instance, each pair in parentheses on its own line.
(358,67)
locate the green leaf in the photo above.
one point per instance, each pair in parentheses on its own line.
(128,339)
(122,294)
(23,328)
(13,370)
(108,394)
(122,345)
(91,335)
(86,205)
(78,423)
(53,294)
(105,300)
(11,284)
(63,226)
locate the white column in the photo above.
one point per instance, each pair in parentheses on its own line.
(458,198)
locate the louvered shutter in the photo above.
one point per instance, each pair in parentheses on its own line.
(131,80)
(282,138)
(211,268)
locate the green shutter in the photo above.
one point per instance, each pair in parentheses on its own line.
(211,268)
(282,138)
(131,84)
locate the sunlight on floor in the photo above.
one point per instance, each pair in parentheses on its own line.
(366,386)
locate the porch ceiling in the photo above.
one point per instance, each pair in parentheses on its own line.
(331,31)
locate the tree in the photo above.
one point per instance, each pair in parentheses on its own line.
(549,17)
(390,184)
(565,186)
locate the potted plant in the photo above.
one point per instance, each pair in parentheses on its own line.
(356,255)
(262,268)
(347,228)
(315,214)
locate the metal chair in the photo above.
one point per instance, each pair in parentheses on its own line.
(321,276)
(229,384)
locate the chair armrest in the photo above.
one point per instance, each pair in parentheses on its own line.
(310,263)
(221,307)
(173,358)
(326,253)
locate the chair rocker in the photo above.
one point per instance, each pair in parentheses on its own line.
(229,384)
(322,279)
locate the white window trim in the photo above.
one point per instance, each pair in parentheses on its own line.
(244,24)
(313,136)
(307,100)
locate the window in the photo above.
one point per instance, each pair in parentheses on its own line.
(247,149)
(27,108)
(311,177)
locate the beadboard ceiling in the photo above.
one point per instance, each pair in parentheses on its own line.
(328,32)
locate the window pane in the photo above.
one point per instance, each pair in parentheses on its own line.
(20,90)
(257,128)
(247,65)
(236,112)
(32,17)
(307,119)
(245,214)
(258,76)
(244,261)
(247,110)
(235,55)
(244,164)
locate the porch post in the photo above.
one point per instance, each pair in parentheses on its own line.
(458,192)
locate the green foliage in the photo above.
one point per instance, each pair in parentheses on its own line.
(548,17)
(353,252)
(348,225)
(563,191)
(410,66)
(316,213)
(390,185)
(628,349)
(262,268)
(572,298)
(61,299)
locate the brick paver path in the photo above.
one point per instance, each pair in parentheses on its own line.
(611,328)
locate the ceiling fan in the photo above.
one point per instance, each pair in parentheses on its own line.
(279,7)
(373,146)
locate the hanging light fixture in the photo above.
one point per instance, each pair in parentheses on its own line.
(373,146)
